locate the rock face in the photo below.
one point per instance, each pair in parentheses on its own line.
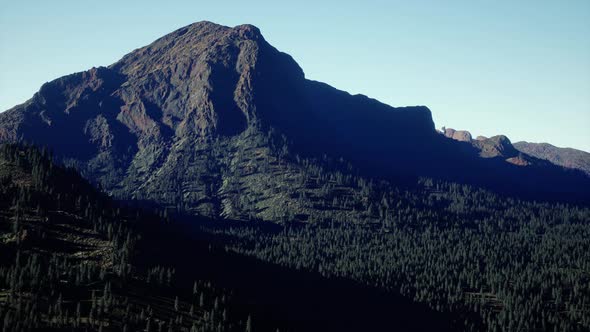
(566,157)
(458,135)
(211,119)
(495,146)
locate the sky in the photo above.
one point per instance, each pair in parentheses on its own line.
(518,68)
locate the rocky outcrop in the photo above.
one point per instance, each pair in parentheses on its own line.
(458,135)
(495,146)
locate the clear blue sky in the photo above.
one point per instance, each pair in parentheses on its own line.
(519,68)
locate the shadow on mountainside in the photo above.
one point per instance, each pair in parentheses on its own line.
(281,297)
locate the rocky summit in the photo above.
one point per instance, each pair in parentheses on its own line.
(498,146)
(214,120)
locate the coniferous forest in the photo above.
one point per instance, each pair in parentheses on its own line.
(517,265)
(68,260)
(468,259)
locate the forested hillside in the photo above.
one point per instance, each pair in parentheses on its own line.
(67,260)
(73,259)
(515,265)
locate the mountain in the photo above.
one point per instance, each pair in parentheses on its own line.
(498,146)
(566,157)
(379,222)
(215,121)
(523,153)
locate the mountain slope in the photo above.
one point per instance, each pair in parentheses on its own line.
(68,259)
(216,121)
(566,157)
(71,259)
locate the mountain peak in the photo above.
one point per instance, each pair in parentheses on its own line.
(199,78)
(173,118)
(206,27)
(248,31)
(200,41)
(243,31)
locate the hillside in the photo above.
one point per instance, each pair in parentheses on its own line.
(566,157)
(501,264)
(71,259)
(68,259)
(109,266)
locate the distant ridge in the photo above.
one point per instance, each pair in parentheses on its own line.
(498,146)
(566,157)
(523,153)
